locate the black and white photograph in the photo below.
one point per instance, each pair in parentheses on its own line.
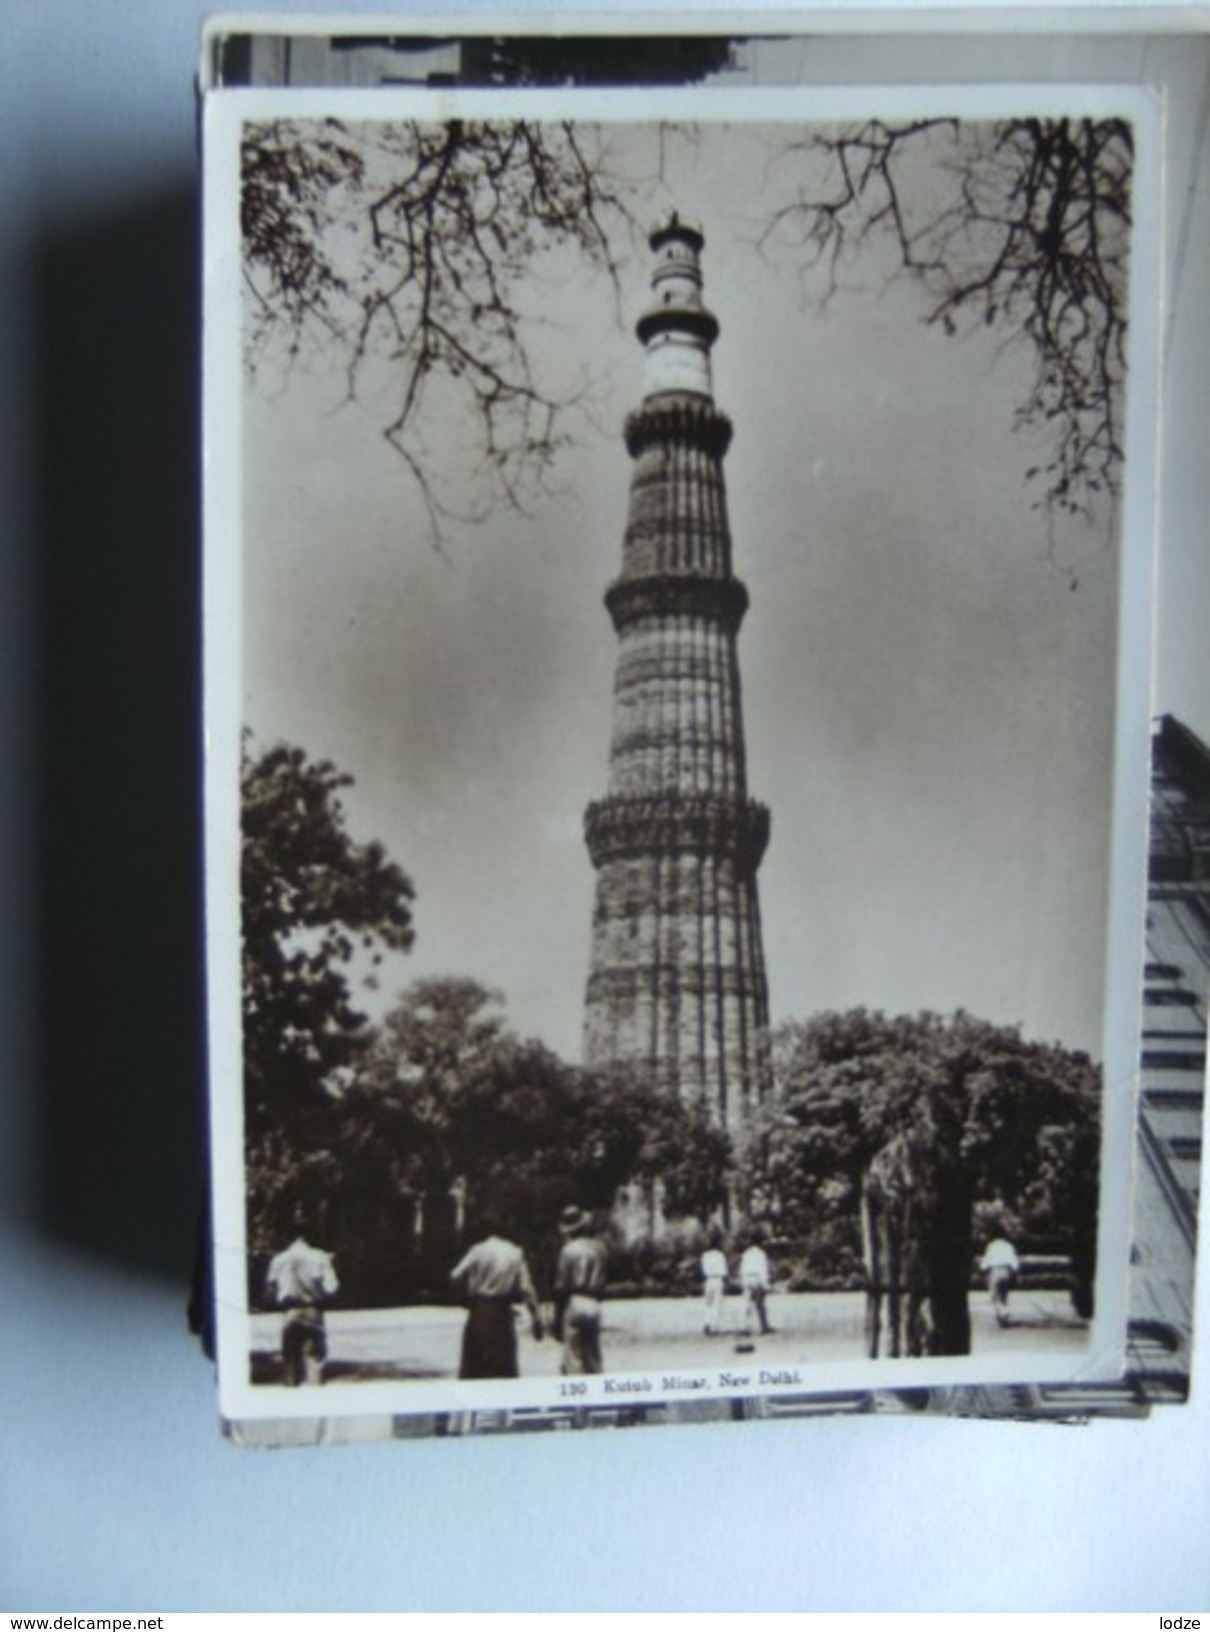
(677,686)
(607,716)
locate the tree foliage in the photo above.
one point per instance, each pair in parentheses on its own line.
(470,1106)
(1022,225)
(382,1135)
(444,1114)
(312,900)
(996,1126)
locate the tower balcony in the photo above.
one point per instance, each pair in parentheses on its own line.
(680,316)
(722,601)
(678,417)
(704,824)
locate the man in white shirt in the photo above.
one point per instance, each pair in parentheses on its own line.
(754,1279)
(1001,1266)
(301,1279)
(713,1265)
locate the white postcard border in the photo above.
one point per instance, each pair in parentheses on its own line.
(225,111)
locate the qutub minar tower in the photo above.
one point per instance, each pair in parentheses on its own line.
(677,985)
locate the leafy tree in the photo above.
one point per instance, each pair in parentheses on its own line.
(467,1108)
(1024,226)
(312,900)
(991,1120)
(428,1061)
(396,1138)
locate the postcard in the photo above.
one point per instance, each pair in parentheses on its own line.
(678,584)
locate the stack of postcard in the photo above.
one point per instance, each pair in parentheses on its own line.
(708,849)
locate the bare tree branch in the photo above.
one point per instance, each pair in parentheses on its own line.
(409,243)
(1023,224)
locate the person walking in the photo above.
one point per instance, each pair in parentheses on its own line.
(579,1283)
(1001,1266)
(713,1264)
(754,1280)
(301,1279)
(494,1279)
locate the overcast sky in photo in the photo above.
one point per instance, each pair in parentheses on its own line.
(928,663)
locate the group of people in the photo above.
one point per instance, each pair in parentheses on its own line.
(494,1280)
(754,1283)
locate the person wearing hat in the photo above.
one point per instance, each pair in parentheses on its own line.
(579,1283)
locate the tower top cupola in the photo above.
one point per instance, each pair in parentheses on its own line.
(677,330)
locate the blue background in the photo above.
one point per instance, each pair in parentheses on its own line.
(117,1491)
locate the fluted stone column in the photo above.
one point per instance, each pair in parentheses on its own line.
(677,977)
